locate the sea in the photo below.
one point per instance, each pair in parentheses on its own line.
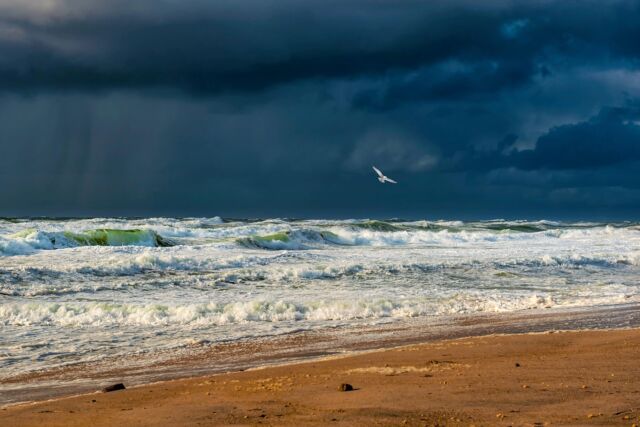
(76,291)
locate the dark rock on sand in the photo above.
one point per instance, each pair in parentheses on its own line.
(517,365)
(113,387)
(345,387)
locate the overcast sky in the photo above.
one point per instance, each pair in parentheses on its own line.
(480,109)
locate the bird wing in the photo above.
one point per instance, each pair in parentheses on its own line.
(389,180)
(377,171)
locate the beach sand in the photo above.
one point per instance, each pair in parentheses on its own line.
(560,378)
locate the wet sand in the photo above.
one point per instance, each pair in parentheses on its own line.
(560,378)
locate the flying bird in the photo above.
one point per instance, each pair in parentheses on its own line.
(381,177)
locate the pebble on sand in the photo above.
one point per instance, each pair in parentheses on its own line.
(113,387)
(345,387)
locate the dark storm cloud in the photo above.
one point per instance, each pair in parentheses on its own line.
(228,45)
(449,81)
(492,108)
(208,47)
(609,138)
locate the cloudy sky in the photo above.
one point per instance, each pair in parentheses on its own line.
(509,109)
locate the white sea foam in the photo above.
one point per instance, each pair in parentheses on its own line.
(106,314)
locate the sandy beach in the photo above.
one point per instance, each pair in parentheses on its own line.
(558,378)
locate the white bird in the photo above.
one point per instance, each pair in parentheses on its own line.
(381,177)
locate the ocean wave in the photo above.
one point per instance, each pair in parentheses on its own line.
(153,267)
(292,235)
(28,240)
(104,314)
(304,238)
(291,239)
(25,238)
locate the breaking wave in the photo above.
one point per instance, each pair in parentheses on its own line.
(212,313)
(382,234)
(291,239)
(26,241)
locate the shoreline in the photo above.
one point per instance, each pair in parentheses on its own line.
(301,347)
(568,378)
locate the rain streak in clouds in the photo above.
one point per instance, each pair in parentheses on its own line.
(265,108)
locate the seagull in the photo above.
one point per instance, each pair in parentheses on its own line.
(381,176)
